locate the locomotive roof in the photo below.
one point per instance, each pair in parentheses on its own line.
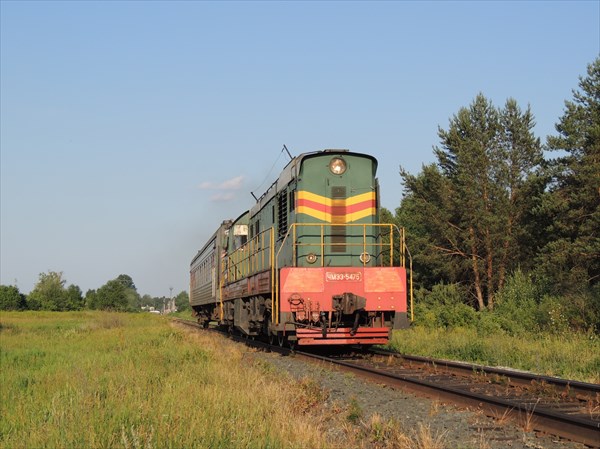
(290,171)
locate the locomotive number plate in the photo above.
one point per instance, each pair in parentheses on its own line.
(355,276)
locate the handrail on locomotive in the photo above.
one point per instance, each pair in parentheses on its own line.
(244,261)
(257,255)
(403,248)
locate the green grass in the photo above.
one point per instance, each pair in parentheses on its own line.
(101,380)
(185,315)
(572,356)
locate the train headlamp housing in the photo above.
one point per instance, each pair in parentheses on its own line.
(365,258)
(311,258)
(337,166)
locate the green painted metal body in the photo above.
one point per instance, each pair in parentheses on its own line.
(308,195)
(343,239)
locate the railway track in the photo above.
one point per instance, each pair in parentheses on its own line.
(569,409)
(565,408)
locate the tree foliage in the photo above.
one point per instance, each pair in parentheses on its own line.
(11,298)
(118,294)
(468,208)
(522,307)
(126,280)
(520,234)
(182,301)
(90,299)
(75,299)
(111,296)
(570,259)
(50,294)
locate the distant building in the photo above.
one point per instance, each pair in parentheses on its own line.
(150,309)
(170,306)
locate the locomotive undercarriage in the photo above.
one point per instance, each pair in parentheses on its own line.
(348,322)
(251,314)
(248,315)
(347,310)
(205,314)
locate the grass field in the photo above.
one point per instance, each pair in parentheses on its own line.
(575,356)
(101,380)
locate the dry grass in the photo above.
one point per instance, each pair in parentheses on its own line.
(378,433)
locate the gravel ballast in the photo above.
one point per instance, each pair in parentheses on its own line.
(457,427)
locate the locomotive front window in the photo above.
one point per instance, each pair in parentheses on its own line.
(337,166)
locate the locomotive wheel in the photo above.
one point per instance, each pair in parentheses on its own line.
(280,339)
(271,339)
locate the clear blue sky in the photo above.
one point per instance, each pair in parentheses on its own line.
(130,130)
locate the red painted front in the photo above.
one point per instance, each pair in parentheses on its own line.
(383,287)
(343,336)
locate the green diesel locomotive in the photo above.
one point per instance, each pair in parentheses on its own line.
(310,263)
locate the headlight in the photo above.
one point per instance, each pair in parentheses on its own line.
(337,166)
(311,258)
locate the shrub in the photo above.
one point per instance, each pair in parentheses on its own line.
(517,304)
(522,307)
(488,323)
(444,307)
(582,310)
(552,315)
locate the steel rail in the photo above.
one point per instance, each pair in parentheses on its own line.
(523,378)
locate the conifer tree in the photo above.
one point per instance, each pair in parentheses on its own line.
(571,258)
(468,208)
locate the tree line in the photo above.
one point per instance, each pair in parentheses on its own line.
(51,293)
(497,225)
